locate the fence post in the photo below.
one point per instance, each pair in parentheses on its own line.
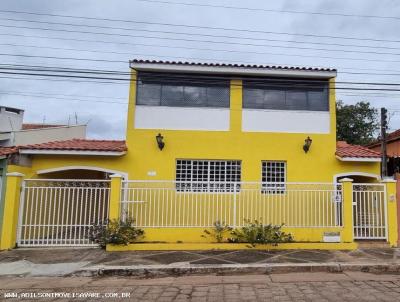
(348,227)
(391,210)
(234,204)
(115,196)
(8,234)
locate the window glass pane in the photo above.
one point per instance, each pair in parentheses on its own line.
(149,94)
(171,95)
(296,100)
(274,99)
(285,95)
(195,96)
(253,98)
(218,96)
(182,90)
(318,100)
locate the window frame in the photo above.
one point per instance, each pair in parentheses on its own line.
(304,86)
(265,189)
(222,187)
(167,80)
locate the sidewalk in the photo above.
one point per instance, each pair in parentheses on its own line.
(296,287)
(95,262)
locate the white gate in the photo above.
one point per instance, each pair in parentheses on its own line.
(369,211)
(59,212)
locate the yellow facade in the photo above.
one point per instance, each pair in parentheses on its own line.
(318,165)
(251,148)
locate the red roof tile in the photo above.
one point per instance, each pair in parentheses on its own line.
(8,150)
(80,145)
(343,149)
(39,126)
(393,136)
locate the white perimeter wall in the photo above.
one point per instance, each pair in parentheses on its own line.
(286,121)
(44,135)
(182,118)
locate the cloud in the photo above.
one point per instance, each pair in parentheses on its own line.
(108,119)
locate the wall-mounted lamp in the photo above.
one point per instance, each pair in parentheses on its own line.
(160,143)
(307,144)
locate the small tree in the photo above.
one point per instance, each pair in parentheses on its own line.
(115,231)
(255,232)
(218,231)
(356,124)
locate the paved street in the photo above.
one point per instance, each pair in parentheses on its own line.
(349,286)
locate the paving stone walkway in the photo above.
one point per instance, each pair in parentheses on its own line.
(297,287)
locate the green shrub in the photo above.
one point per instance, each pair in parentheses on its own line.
(218,231)
(115,232)
(259,233)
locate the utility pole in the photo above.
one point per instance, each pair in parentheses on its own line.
(384,123)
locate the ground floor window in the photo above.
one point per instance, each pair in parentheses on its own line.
(273,176)
(208,175)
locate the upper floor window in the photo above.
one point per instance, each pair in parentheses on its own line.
(208,175)
(182,90)
(283,94)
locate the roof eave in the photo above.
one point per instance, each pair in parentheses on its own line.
(71,152)
(300,73)
(359,159)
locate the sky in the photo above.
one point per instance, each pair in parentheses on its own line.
(256,32)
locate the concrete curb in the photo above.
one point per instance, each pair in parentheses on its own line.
(156,271)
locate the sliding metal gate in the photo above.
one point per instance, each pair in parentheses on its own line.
(59,212)
(369,211)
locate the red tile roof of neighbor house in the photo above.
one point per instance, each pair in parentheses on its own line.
(71,145)
(39,126)
(393,136)
(8,150)
(343,149)
(80,145)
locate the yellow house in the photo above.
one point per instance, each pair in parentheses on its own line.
(206,143)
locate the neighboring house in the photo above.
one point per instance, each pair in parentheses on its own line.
(393,158)
(13,132)
(393,151)
(208,142)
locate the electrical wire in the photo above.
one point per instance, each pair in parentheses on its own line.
(197,41)
(260,9)
(197,26)
(225,36)
(183,77)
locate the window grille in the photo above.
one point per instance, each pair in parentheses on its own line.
(182,90)
(273,177)
(208,175)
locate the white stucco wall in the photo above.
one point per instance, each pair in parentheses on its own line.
(36,136)
(9,120)
(182,118)
(285,121)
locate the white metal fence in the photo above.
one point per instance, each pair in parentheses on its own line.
(60,212)
(369,211)
(200,204)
